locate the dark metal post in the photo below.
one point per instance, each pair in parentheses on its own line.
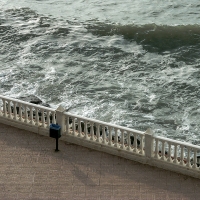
(56,144)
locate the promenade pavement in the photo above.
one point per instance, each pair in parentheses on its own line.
(31,169)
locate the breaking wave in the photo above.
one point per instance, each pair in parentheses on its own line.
(154,38)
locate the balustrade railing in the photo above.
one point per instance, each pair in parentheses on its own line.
(176,152)
(27,112)
(144,146)
(104,133)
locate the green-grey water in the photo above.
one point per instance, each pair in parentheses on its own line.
(132,63)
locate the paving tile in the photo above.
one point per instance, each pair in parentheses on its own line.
(106,181)
(78,191)
(10,196)
(93,181)
(123,192)
(92,191)
(24,195)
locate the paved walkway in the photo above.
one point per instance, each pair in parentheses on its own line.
(30,169)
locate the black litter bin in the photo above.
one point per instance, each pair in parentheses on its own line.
(55,132)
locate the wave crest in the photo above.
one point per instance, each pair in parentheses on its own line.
(153,37)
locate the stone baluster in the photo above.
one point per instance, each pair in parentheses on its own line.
(73,126)
(53,117)
(67,124)
(163,150)
(31,116)
(37,117)
(182,155)
(25,114)
(129,141)
(20,112)
(85,130)
(135,143)
(122,139)
(15,110)
(116,138)
(169,159)
(188,157)
(156,149)
(110,136)
(142,145)
(103,134)
(79,128)
(194,166)
(1,107)
(98,133)
(9,110)
(92,131)
(48,118)
(149,143)
(43,119)
(175,154)
(4,108)
(60,119)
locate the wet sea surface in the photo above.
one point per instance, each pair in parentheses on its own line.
(135,64)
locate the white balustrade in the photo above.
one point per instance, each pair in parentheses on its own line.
(184,154)
(26,112)
(119,139)
(104,133)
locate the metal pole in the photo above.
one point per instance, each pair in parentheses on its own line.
(56,144)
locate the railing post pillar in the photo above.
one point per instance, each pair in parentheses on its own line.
(148,143)
(60,118)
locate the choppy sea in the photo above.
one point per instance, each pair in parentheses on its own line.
(135,63)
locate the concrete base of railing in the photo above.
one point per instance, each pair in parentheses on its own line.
(131,156)
(105,148)
(21,125)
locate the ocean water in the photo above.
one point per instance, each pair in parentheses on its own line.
(133,63)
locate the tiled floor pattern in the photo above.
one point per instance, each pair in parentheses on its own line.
(30,169)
